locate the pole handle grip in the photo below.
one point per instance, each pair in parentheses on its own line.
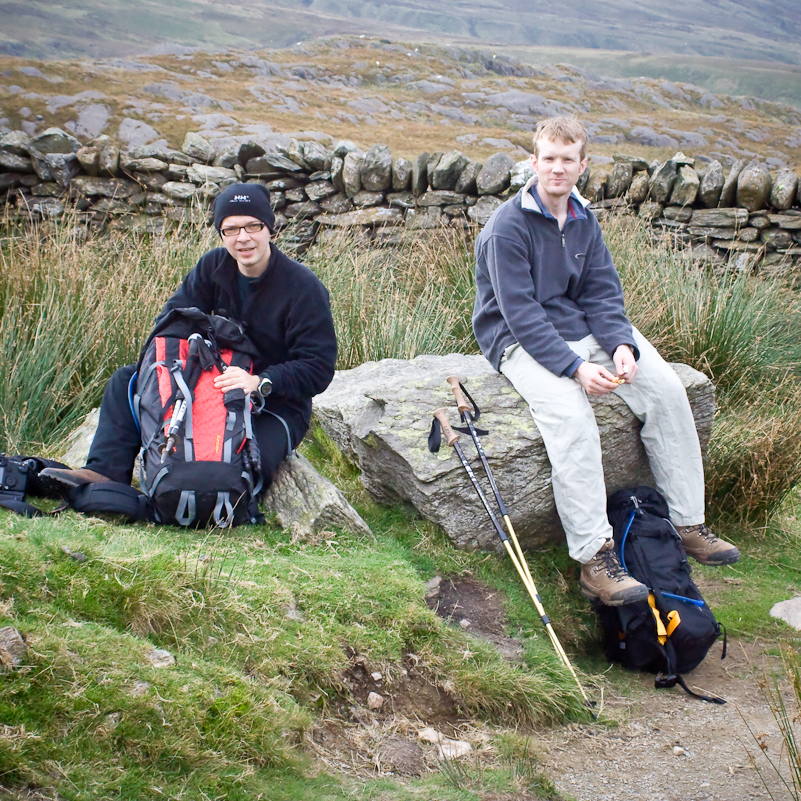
(461,400)
(450,434)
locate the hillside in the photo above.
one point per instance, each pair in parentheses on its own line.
(413,98)
(763,30)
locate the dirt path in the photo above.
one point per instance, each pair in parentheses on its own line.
(667,746)
(671,747)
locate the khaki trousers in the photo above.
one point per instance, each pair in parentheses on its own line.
(566,421)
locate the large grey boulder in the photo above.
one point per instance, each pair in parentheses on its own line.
(379,415)
(376,169)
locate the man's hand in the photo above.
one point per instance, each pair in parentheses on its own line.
(625,363)
(237,378)
(595,378)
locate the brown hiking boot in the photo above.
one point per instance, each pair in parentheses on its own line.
(604,578)
(64,479)
(705,547)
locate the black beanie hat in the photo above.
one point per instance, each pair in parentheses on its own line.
(244,200)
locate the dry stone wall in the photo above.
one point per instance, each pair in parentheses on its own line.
(740,215)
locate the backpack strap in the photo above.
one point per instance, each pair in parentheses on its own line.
(20,507)
(111,496)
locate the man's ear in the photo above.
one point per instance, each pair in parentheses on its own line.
(533,159)
(584,162)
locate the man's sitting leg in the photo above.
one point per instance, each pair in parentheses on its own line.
(567,424)
(658,398)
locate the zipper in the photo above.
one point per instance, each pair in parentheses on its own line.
(563,240)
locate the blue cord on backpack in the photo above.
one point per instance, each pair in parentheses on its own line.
(693,601)
(131,392)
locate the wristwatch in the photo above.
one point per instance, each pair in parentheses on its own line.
(265,385)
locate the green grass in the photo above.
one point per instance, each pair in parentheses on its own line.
(231,715)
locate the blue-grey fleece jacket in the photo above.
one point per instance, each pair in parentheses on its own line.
(542,287)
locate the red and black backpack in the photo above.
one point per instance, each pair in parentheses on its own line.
(200,460)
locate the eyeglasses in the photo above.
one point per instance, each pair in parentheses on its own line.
(250,228)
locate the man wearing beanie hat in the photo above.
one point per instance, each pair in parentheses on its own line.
(284,309)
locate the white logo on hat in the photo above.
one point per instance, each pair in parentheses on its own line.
(238,198)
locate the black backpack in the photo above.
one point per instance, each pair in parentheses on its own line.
(671,632)
(19,475)
(200,460)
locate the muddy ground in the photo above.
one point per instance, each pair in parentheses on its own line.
(654,745)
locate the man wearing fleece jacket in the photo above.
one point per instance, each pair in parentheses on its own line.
(549,315)
(283,308)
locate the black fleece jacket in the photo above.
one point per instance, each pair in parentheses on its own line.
(287,316)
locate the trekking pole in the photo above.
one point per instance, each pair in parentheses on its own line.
(441,415)
(468,416)
(469,412)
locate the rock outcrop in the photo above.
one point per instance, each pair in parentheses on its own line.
(379,415)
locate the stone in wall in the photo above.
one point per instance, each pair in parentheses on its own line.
(448,169)
(753,187)
(711,185)
(352,173)
(728,195)
(495,175)
(467,182)
(685,187)
(419,181)
(619,179)
(782,193)
(401,174)
(375,171)
(660,184)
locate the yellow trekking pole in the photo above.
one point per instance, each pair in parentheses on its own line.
(515,553)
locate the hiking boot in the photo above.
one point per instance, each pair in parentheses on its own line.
(604,578)
(705,547)
(64,479)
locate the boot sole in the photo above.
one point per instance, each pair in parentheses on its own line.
(726,558)
(633,597)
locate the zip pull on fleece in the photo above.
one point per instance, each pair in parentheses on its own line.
(563,239)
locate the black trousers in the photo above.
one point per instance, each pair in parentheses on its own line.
(116,443)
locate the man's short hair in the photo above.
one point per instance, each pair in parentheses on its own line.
(568,129)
